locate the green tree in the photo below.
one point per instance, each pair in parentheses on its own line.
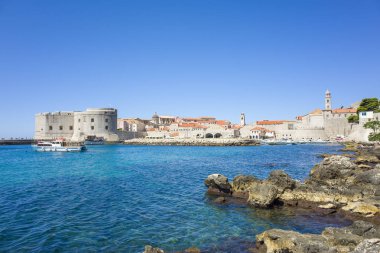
(369,104)
(375,126)
(353,119)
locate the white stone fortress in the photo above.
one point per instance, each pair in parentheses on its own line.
(77,125)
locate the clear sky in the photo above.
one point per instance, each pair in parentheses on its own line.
(269,59)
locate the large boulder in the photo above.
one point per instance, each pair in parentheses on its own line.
(241,185)
(282,180)
(334,167)
(219,183)
(284,241)
(262,194)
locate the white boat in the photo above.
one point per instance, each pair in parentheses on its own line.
(93,140)
(58,146)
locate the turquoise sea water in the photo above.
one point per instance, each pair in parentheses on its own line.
(119,198)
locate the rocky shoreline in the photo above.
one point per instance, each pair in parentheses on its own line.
(192,142)
(347,184)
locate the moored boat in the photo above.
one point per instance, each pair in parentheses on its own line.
(59,146)
(93,140)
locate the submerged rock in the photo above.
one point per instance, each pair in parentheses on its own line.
(218,182)
(150,249)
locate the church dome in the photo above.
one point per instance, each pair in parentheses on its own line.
(155,116)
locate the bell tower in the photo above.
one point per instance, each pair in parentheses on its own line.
(328,100)
(242,119)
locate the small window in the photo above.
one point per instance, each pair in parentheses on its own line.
(61,128)
(92,120)
(78,120)
(50,128)
(92,128)
(107,120)
(106,127)
(71,127)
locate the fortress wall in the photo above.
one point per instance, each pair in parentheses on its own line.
(359,133)
(337,126)
(300,134)
(126,135)
(100,122)
(49,126)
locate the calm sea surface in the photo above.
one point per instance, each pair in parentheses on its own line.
(120,198)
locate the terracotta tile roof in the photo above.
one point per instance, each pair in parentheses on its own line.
(316,112)
(260,129)
(299,117)
(187,124)
(222,122)
(271,122)
(174,134)
(344,110)
(192,125)
(208,118)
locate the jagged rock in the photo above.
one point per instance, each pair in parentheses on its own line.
(262,194)
(367,209)
(365,229)
(341,238)
(328,206)
(368,246)
(218,182)
(370,177)
(241,183)
(333,167)
(282,180)
(283,241)
(364,167)
(150,249)
(337,240)
(367,159)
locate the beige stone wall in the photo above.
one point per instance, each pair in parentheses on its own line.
(302,134)
(337,126)
(54,125)
(101,122)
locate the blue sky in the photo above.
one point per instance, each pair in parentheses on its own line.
(269,59)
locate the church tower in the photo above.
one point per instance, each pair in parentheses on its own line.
(328,100)
(242,119)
